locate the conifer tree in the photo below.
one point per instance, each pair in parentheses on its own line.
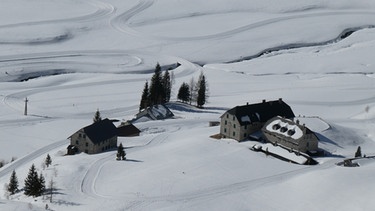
(167,85)
(97,116)
(184,93)
(358,153)
(156,87)
(32,183)
(13,183)
(48,161)
(121,152)
(145,97)
(202,91)
(41,185)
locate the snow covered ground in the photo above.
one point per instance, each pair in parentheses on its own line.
(80,56)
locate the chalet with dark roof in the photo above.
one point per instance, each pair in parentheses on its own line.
(241,121)
(95,138)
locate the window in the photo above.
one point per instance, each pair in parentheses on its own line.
(77,142)
(226,122)
(84,135)
(225,130)
(79,135)
(234,125)
(244,135)
(87,144)
(227,115)
(233,118)
(234,133)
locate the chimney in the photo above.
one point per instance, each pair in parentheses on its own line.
(297,121)
(263,101)
(280,100)
(247,103)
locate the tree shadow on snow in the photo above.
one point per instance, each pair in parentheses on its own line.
(136,161)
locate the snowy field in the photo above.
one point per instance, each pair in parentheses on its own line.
(72,57)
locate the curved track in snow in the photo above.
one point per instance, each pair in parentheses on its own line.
(52,63)
(121,22)
(26,159)
(140,202)
(103,10)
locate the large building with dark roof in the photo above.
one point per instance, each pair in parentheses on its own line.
(241,121)
(95,138)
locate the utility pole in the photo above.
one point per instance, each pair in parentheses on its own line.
(25,112)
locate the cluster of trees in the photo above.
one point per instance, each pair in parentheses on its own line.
(34,183)
(195,92)
(159,89)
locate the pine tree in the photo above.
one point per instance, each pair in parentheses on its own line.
(157,93)
(121,152)
(41,185)
(202,91)
(48,161)
(358,153)
(184,93)
(97,116)
(167,85)
(144,99)
(13,183)
(32,183)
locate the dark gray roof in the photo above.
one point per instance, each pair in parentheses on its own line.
(127,130)
(100,131)
(261,112)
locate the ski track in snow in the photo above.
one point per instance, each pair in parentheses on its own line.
(26,159)
(103,10)
(120,23)
(140,202)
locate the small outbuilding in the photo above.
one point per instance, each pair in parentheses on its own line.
(290,134)
(155,112)
(127,130)
(95,138)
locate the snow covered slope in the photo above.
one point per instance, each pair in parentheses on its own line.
(72,57)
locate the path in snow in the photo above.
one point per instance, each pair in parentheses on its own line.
(103,10)
(28,158)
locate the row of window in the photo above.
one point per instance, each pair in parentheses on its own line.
(234,133)
(234,125)
(81,135)
(77,142)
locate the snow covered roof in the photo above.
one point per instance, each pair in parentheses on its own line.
(282,153)
(155,112)
(285,127)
